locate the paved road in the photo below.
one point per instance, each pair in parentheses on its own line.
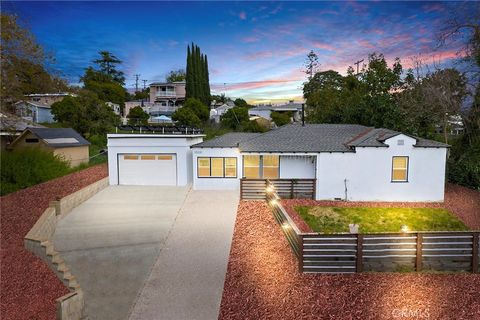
(187,279)
(111,242)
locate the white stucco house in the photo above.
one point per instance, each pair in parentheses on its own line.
(347,162)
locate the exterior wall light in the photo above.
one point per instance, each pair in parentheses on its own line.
(404,228)
(269,189)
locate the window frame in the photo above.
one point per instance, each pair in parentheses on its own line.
(210,167)
(260,166)
(406,170)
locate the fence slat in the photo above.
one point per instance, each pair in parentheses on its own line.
(418,260)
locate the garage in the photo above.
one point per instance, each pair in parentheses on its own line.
(151,159)
(147,169)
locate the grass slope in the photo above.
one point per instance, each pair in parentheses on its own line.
(370,220)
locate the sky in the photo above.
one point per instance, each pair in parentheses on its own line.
(256,50)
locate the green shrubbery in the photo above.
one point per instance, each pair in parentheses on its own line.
(464,164)
(25,168)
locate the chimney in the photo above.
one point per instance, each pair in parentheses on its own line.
(303,114)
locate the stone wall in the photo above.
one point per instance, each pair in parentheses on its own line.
(39,241)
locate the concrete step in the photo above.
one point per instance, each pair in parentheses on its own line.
(62,267)
(56,258)
(74,285)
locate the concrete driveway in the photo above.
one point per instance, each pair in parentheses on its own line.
(187,279)
(111,241)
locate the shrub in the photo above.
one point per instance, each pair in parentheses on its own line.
(187,117)
(280,119)
(25,168)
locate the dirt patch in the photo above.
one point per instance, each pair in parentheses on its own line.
(28,287)
(263,282)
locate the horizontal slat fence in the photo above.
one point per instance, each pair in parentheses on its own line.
(254,189)
(381,252)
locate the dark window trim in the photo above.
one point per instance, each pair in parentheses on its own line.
(210,166)
(260,165)
(31,140)
(408,167)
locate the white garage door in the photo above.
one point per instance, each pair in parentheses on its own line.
(147,169)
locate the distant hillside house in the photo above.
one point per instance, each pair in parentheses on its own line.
(219,111)
(114,106)
(169,94)
(265,111)
(11,126)
(37,107)
(63,142)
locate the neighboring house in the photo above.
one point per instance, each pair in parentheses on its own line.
(349,162)
(47,98)
(217,113)
(454,125)
(37,107)
(12,126)
(114,106)
(168,94)
(264,111)
(63,142)
(34,111)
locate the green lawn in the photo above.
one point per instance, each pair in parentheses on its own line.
(370,220)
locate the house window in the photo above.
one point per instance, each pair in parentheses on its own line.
(147,157)
(216,167)
(251,167)
(399,169)
(261,167)
(31,140)
(130,157)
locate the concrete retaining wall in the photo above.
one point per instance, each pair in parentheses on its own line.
(38,241)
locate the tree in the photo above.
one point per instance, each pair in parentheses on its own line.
(200,110)
(280,118)
(136,116)
(24,64)
(235,118)
(86,113)
(186,116)
(197,77)
(108,66)
(239,102)
(311,64)
(176,75)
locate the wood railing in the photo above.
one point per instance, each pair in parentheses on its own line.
(254,189)
(382,252)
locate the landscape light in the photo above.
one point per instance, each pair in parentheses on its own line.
(269,189)
(273,202)
(404,228)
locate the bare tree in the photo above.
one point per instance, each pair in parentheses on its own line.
(311,64)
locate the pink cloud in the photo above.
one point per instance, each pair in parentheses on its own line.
(242,15)
(324,46)
(250,39)
(259,55)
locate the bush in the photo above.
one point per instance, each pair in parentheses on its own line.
(25,168)
(187,117)
(463,166)
(280,119)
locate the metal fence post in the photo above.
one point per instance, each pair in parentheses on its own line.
(359,253)
(300,253)
(475,241)
(418,258)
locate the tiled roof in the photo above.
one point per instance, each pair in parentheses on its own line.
(308,138)
(311,138)
(229,140)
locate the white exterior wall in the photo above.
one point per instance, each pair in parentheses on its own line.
(260,113)
(216,183)
(297,167)
(149,143)
(368,172)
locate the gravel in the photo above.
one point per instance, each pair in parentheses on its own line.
(28,287)
(263,282)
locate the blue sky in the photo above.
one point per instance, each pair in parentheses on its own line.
(256,49)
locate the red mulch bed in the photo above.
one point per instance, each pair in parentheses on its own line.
(263,282)
(463,202)
(28,287)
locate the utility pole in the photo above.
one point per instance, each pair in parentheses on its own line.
(136,82)
(358,64)
(144,84)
